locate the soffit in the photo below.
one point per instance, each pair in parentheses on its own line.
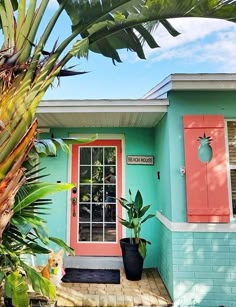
(101,113)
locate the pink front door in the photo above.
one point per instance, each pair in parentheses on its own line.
(97,172)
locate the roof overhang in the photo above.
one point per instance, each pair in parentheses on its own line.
(193,82)
(101,113)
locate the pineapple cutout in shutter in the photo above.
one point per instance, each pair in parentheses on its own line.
(205,150)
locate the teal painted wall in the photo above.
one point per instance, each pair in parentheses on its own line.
(138,141)
(162,149)
(198,268)
(165,257)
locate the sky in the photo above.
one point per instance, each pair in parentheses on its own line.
(204,46)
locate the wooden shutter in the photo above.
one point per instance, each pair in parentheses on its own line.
(206,183)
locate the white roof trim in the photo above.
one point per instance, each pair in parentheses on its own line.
(197,82)
(101,113)
(92,106)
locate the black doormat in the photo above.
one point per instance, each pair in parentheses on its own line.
(95,276)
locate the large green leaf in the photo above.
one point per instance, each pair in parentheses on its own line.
(50,147)
(109,24)
(62,244)
(138,202)
(16,287)
(39,283)
(40,190)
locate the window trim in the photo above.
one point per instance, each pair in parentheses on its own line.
(232,216)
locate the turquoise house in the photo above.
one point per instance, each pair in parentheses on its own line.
(177,145)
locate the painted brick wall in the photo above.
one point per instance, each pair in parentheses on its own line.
(165,265)
(204,269)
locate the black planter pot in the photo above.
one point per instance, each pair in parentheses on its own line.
(133,261)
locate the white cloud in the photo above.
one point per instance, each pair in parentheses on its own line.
(201,40)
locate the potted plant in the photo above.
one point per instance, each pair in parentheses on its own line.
(134,248)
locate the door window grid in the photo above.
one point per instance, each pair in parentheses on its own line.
(97,200)
(231,136)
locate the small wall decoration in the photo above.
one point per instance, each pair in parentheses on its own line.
(143,160)
(205,150)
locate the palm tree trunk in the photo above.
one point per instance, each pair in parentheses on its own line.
(14,178)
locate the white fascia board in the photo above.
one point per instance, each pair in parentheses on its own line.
(197,82)
(91,106)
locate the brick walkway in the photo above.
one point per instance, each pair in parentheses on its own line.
(149,291)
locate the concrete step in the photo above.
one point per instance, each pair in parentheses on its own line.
(85,262)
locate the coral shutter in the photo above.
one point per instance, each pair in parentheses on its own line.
(206,183)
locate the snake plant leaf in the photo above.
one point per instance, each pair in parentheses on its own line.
(126,223)
(142,248)
(125,203)
(149,216)
(135,221)
(144,210)
(138,202)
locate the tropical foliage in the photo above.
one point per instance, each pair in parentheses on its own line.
(26,234)
(136,216)
(28,68)
(50,147)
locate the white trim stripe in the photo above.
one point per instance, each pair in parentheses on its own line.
(195,227)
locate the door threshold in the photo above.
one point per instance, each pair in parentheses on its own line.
(93,262)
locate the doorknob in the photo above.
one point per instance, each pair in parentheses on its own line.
(74,203)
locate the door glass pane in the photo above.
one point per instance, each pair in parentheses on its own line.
(84,195)
(110,193)
(97,232)
(110,232)
(110,155)
(97,191)
(97,194)
(84,232)
(97,156)
(85,174)
(97,174)
(110,213)
(110,174)
(84,213)
(85,156)
(97,212)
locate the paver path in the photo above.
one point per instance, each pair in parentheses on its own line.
(149,291)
